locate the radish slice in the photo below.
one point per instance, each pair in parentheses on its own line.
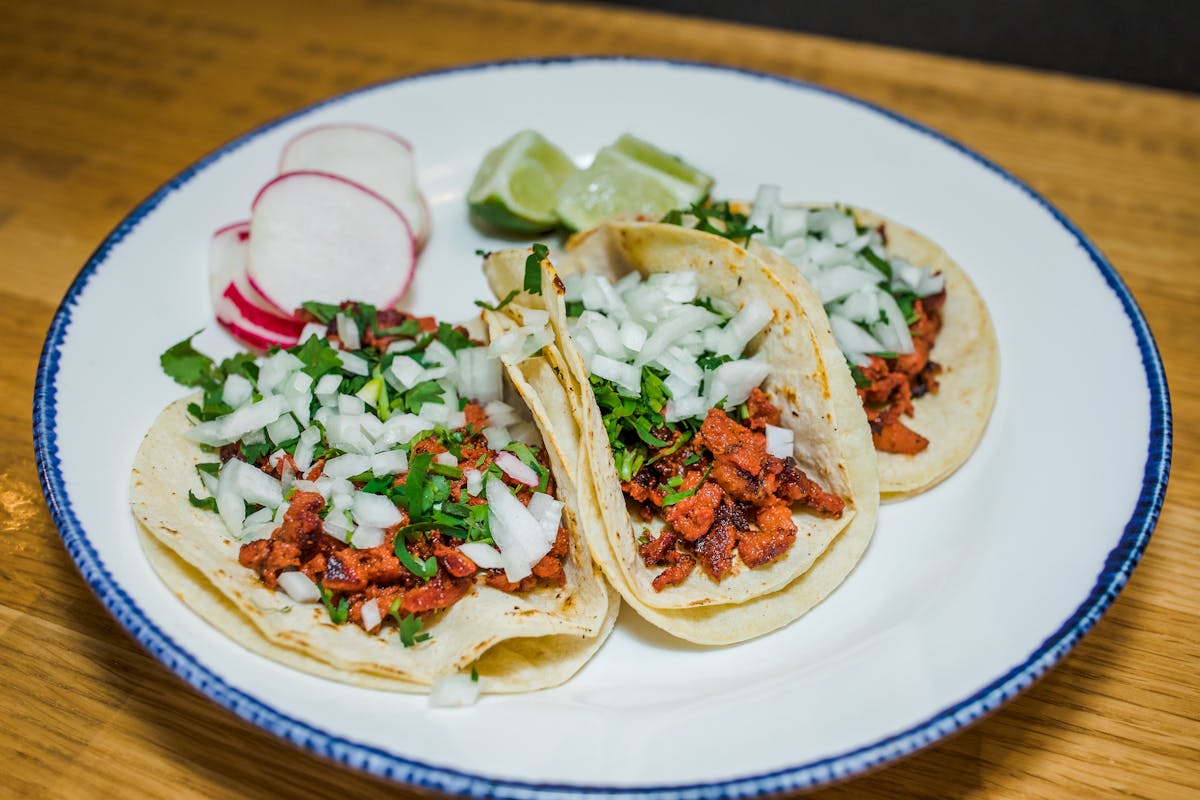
(247,332)
(316,236)
(375,158)
(228,284)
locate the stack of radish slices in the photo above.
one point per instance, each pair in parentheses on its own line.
(343,220)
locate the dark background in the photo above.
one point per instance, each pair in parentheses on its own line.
(1154,42)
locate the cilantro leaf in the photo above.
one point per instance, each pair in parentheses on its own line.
(533,268)
(339,613)
(206,503)
(323,312)
(410,630)
(318,356)
(186,365)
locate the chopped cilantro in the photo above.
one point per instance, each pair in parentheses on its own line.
(186,365)
(453,338)
(414,485)
(424,392)
(860,380)
(324,313)
(410,630)
(716,218)
(533,268)
(339,613)
(574,308)
(206,503)
(318,356)
(209,467)
(474,674)
(881,264)
(508,298)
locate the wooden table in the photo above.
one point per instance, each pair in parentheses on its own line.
(101,104)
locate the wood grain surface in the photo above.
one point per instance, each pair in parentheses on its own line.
(102,102)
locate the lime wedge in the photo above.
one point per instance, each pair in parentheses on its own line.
(517,183)
(651,156)
(617,184)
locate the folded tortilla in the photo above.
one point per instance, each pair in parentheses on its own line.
(832,440)
(517,641)
(955,417)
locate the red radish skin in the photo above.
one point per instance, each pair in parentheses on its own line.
(284,326)
(319,236)
(227,275)
(256,339)
(373,157)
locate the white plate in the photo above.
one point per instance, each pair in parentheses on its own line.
(966,595)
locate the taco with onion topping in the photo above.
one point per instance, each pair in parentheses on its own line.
(914,331)
(728,462)
(376,505)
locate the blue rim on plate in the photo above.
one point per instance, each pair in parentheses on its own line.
(1112,578)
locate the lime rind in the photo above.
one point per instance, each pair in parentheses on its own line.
(616,183)
(518,182)
(652,156)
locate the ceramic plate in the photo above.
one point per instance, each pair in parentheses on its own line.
(966,595)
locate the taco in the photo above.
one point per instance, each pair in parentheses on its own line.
(375,506)
(914,331)
(731,472)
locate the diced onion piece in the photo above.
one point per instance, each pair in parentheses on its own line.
(236,391)
(837,282)
(484,555)
(684,320)
(345,432)
(299,587)
(371,616)
(275,368)
(895,322)
(500,413)
(240,424)
(327,389)
(604,332)
(497,437)
(283,429)
(251,484)
(851,338)
(548,512)
(354,364)
(633,336)
(766,201)
(733,381)
(376,510)
(349,404)
(627,376)
(474,481)
(400,429)
(517,533)
(389,462)
(347,331)
(454,691)
(435,411)
(479,376)
(686,407)
(446,459)
(346,466)
(931,283)
(780,441)
(516,469)
(406,372)
(366,536)
(312,329)
(679,287)
(745,325)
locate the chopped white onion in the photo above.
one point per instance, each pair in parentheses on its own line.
(627,376)
(733,381)
(474,481)
(299,587)
(354,364)
(516,532)
(484,555)
(327,389)
(780,441)
(500,413)
(376,510)
(745,325)
(238,425)
(347,465)
(389,462)
(371,616)
(283,429)
(497,437)
(516,469)
(548,512)
(454,691)
(236,391)
(250,483)
(366,536)
(446,459)
(347,331)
